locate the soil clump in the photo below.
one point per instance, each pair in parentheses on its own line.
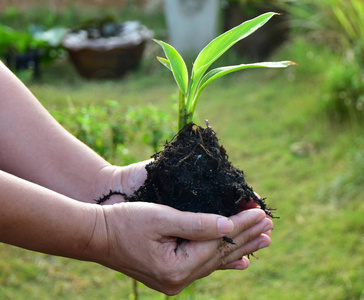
(193,174)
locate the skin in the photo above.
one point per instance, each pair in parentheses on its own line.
(49,181)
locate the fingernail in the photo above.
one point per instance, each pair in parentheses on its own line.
(240,267)
(260,218)
(267,228)
(263,245)
(225,225)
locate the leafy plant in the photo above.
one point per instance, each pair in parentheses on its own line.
(337,24)
(344,92)
(332,22)
(19,40)
(190,90)
(47,42)
(151,124)
(110,133)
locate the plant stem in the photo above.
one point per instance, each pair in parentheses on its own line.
(135,289)
(182,111)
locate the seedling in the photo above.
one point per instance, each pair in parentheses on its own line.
(193,172)
(190,90)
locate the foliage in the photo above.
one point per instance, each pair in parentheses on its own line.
(42,15)
(334,22)
(249,2)
(320,229)
(317,244)
(110,132)
(71,16)
(46,42)
(190,91)
(338,24)
(152,124)
(343,96)
(22,41)
(353,178)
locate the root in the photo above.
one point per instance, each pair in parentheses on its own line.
(111,193)
(252,254)
(186,157)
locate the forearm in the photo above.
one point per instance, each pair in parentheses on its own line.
(39,219)
(35,147)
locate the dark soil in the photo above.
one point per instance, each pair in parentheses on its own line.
(193,173)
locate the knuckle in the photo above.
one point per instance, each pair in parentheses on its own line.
(224,253)
(174,281)
(252,234)
(224,261)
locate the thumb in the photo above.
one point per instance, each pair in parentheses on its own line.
(198,226)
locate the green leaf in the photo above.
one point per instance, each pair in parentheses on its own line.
(222,43)
(219,72)
(177,65)
(218,47)
(165,62)
(189,93)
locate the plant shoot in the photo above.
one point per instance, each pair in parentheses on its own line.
(190,90)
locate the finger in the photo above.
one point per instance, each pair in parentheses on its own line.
(221,255)
(269,232)
(210,226)
(250,221)
(252,246)
(253,232)
(245,220)
(195,226)
(240,264)
(203,257)
(247,242)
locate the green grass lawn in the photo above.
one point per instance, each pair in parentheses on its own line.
(274,128)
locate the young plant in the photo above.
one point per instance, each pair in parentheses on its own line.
(190,90)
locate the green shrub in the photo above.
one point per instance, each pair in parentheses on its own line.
(344,92)
(332,22)
(355,165)
(338,25)
(110,132)
(152,125)
(349,182)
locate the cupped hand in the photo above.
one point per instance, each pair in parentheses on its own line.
(140,240)
(247,239)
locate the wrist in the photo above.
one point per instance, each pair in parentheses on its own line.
(95,247)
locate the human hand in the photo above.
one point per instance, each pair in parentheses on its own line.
(122,180)
(140,240)
(244,245)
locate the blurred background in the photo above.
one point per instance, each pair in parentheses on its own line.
(297,133)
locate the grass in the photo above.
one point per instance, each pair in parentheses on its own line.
(318,242)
